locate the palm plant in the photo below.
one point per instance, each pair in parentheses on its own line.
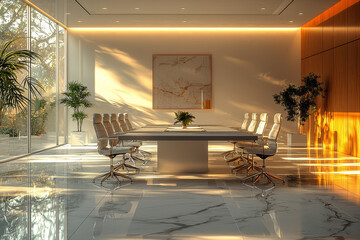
(184,117)
(12,63)
(76,98)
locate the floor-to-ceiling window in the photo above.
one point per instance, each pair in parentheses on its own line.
(13,123)
(46,121)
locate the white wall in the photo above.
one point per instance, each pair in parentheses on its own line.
(248,68)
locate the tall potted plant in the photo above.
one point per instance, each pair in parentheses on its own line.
(300,101)
(12,91)
(77,98)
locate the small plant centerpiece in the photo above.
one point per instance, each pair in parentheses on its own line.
(300,102)
(184,117)
(77,98)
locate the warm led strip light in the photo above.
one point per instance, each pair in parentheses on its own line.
(44,13)
(195,29)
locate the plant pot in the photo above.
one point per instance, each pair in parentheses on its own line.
(296,140)
(78,138)
(184,126)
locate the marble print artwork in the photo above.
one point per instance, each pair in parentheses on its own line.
(182,82)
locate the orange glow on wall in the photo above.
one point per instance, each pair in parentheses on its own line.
(330,47)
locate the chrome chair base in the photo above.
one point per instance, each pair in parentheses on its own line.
(112,172)
(262,173)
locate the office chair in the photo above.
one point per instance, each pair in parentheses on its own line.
(232,153)
(136,144)
(110,131)
(265,148)
(128,123)
(126,126)
(107,148)
(250,129)
(240,145)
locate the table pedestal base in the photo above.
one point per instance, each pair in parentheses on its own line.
(181,157)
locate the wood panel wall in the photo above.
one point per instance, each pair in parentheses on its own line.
(330,47)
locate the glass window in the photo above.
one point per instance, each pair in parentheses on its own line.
(43,109)
(13,123)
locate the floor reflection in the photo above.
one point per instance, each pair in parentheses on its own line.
(51,195)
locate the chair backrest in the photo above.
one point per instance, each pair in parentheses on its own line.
(252,124)
(115,123)
(262,124)
(275,129)
(109,128)
(100,131)
(245,122)
(121,118)
(127,121)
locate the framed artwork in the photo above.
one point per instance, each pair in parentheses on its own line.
(182,81)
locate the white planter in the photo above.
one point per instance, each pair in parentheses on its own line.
(78,138)
(296,140)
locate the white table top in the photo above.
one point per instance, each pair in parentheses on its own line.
(210,133)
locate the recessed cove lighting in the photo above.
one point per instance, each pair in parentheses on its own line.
(300,13)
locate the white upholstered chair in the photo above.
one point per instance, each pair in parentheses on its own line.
(107,148)
(266,147)
(126,126)
(250,129)
(110,131)
(241,144)
(127,121)
(233,153)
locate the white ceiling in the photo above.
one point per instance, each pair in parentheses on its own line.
(184,13)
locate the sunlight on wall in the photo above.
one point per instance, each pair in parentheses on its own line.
(336,130)
(113,88)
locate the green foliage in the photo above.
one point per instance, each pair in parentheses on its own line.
(15,123)
(12,92)
(77,98)
(184,117)
(298,100)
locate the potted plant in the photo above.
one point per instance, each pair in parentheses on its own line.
(12,91)
(77,98)
(299,100)
(184,117)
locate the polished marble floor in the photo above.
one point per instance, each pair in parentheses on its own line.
(51,195)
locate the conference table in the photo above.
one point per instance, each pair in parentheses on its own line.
(182,151)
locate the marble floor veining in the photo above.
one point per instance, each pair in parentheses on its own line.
(51,195)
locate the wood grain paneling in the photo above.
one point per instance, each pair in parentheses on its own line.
(327,78)
(340,98)
(328,34)
(353,76)
(337,121)
(340,79)
(340,28)
(353,22)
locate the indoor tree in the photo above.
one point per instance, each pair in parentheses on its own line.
(12,91)
(300,101)
(77,98)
